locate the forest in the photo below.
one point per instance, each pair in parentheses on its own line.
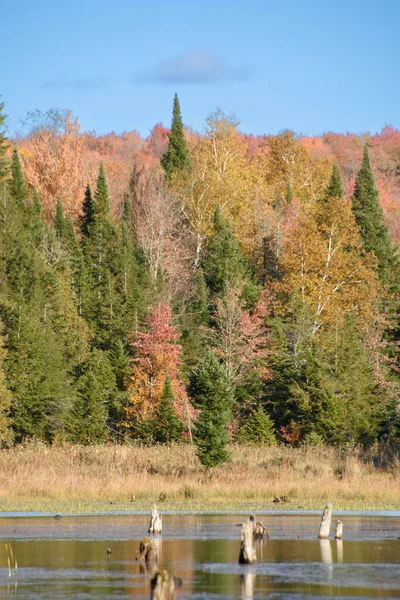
(199,288)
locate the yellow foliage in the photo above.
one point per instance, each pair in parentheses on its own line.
(324,264)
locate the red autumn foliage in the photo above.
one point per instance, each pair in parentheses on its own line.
(158,355)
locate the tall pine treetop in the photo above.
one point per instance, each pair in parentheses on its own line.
(102,201)
(369,216)
(18,188)
(335,186)
(177,157)
(87,218)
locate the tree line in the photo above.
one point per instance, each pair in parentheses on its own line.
(207,309)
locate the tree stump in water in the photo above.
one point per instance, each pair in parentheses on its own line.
(339,530)
(155,521)
(259,530)
(247,554)
(325,527)
(147,552)
(163,586)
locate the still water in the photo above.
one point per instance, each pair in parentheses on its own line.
(67,557)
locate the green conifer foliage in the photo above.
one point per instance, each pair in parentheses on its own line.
(259,429)
(177,157)
(335,186)
(97,399)
(87,218)
(211,393)
(168,427)
(59,221)
(224,264)
(102,200)
(18,189)
(369,217)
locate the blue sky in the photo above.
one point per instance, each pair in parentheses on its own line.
(308,65)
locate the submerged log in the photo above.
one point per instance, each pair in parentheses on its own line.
(147,551)
(163,586)
(247,554)
(325,527)
(339,530)
(155,521)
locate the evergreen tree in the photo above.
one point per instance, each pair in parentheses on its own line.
(102,302)
(18,189)
(168,428)
(321,386)
(335,186)
(225,265)
(102,200)
(194,320)
(87,218)
(89,412)
(211,393)
(259,429)
(369,217)
(177,157)
(92,416)
(59,221)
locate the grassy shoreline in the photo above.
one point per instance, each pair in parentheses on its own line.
(94,479)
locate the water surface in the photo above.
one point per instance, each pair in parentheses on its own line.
(67,557)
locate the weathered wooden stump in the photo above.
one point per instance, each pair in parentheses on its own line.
(325,527)
(163,586)
(147,552)
(155,521)
(247,554)
(339,530)
(259,530)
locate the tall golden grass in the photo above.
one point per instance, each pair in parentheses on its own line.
(100,478)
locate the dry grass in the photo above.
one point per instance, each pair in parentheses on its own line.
(100,478)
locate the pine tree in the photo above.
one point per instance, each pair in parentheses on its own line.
(59,221)
(102,200)
(369,217)
(335,186)
(259,429)
(169,428)
(177,157)
(101,302)
(211,393)
(18,189)
(94,410)
(225,265)
(88,210)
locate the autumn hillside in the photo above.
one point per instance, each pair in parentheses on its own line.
(199,288)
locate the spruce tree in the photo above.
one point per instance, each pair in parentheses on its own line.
(168,427)
(17,185)
(92,418)
(102,200)
(335,186)
(369,217)
(87,218)
(177,157)
(224,264)
(211,392)
(59,221)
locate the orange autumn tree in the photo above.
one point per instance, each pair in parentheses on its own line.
(158,356)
